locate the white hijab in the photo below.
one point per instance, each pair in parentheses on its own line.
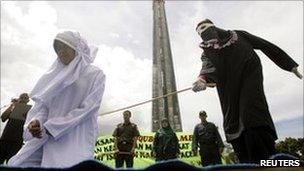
(59,76)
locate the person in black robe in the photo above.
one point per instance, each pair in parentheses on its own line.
(229,60)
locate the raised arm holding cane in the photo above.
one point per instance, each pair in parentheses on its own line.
(229,60)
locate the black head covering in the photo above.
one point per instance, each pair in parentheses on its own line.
(203,113)
(166,120)
(166,130)
(204,22)
(214,36)
(212,32)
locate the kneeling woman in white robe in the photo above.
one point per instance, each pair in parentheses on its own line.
(61,129)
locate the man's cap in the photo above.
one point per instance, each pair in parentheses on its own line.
(127,111)
(202,113)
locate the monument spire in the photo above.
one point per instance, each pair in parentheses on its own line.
(163,72)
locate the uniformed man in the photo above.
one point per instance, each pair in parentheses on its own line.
(11,139)
(125,141)
(208,139)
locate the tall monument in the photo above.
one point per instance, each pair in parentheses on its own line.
(163,72)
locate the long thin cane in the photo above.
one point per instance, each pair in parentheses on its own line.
(155,98)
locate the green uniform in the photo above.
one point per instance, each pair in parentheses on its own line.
(125,134)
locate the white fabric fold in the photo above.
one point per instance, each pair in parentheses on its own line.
(59,75)
(67,99)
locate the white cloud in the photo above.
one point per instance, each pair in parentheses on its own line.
(114,35)
(283,90)
(123,31)
(25,45)
(127,82)
(128,77)
(26,39)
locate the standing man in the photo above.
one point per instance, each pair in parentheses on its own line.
(11,139)
(229,60)
(125,135)
(61,129)
(208,139)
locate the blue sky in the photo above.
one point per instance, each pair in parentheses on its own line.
(290,128)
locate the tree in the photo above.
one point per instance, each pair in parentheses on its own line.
(291,146)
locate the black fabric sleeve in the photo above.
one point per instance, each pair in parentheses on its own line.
(155,141)
(115,133)
(276,54)
(207,66)
(195,139)
(218,138)
(5,115)
(136,132)
(176,143)
(208,70)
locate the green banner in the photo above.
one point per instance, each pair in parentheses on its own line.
(104,150)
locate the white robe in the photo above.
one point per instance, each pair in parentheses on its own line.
(71,119)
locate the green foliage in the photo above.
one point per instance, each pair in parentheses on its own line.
(291,146)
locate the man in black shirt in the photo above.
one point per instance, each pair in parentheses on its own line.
(229,60)
(208,139)
(125,136)
(11,139)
